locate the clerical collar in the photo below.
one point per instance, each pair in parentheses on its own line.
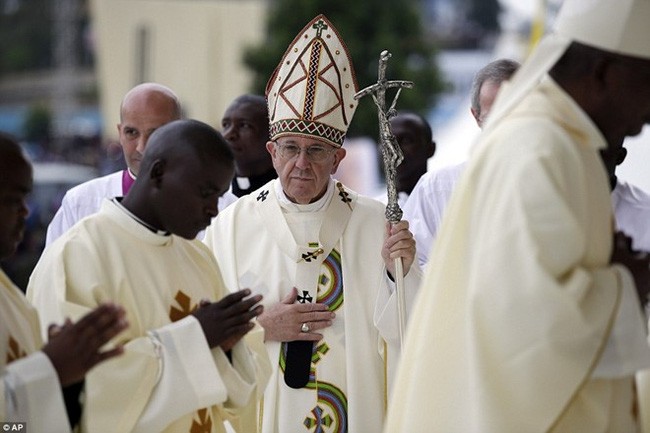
(118,202)
(289,206)
(242,185)
(243,182)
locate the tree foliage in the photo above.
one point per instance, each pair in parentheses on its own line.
(484,14)
(25,37)
(38,122)
(367,28)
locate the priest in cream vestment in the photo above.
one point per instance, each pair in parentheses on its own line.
(26,373)
(525,322)
(30,384)
(334,349)
(32,376)
(140,252)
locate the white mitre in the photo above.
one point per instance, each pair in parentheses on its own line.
(311,92)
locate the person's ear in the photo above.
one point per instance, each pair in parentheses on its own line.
(270,147)
(157,171)
(432,149)
(339,154)
(604,71)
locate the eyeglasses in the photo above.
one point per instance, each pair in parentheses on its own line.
(315,153)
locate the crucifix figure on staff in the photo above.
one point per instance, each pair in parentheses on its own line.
(322,255)
(392,157)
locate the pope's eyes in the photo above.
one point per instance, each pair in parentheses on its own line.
(315,151)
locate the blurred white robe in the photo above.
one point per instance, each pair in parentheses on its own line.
(522,324)
(30,391)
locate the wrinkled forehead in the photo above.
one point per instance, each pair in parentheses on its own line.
(303,141)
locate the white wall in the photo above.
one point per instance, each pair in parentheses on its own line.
(195,48)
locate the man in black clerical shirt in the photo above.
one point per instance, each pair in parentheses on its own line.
(245,125)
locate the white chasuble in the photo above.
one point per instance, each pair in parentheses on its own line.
(523,324)
(168,379)
(331,252)
(29,386)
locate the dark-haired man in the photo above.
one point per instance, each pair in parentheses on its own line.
(184,366)
(245,125)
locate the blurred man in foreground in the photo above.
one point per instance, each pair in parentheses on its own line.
(38,384)
(531,313)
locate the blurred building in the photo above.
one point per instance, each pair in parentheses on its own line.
(98,49)
(194,47)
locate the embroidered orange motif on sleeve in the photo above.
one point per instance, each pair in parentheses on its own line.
(186,307)
(14,351)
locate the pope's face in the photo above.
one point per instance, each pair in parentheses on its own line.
(304,180)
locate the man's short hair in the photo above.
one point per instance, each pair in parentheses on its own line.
(497,72)
(426,127)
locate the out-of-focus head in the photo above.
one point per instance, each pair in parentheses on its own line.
(486,84)
(612,37)
(144,108)
(15,185)
(311,103)
(613,89)
(245,125)
(186,168)
(413,133)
